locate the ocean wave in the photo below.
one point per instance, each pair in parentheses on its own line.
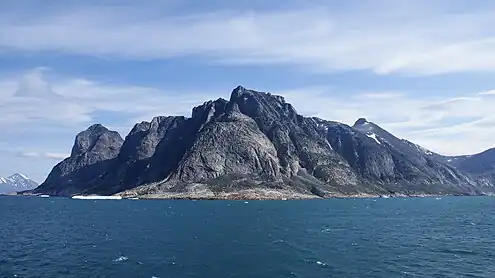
(121,259)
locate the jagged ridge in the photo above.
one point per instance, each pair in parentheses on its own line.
(253,141)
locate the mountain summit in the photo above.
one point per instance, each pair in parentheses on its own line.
(16,182)
(254,145)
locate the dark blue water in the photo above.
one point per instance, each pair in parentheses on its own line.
(422,237)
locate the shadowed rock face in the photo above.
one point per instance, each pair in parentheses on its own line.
(92,155)
(481,166)
(253,141)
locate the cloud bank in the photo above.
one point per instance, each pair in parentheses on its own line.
(412,37)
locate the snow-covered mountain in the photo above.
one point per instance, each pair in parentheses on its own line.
(16,182)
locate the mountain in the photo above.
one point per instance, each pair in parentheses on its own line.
(414,168)
(481,166)
(15,183)
(91,156)
(254,145)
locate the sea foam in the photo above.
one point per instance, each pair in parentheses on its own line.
(121,259)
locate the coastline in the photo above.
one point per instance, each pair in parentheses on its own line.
(288,198)
(265,194)
(245,195)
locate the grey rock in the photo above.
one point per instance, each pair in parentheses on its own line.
(415,169)
(254,142)
(92,156)
(481,166)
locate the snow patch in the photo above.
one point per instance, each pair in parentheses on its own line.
(374,137)
(3,180)
(24,176)
(424,150)
(329,145)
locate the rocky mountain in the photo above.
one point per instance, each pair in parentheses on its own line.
(254,145)
(15,183)
(481,166)
(91,157)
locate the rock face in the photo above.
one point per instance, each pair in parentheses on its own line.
(481,166)
(90,161)
(15,183)
(406,167)
(253,142)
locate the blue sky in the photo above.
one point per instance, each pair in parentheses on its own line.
(421,69)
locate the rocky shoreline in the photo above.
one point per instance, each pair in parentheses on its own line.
(265,194)
(259,194)
(247,194)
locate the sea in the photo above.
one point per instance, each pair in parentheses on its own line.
(396,237)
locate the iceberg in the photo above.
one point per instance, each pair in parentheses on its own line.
(96,197)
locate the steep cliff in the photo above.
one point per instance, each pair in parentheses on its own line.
(92,155)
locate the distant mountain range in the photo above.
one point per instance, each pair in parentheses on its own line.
(255,145)
(15,183)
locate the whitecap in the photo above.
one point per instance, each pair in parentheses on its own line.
(321,263)
(121,259)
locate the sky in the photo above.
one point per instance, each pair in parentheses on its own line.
(424,70)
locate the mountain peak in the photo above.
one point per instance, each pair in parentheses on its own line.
(240,88)
(88,139)
(16,182)
(238,92)
(97,128)
(361,121)
(19,176)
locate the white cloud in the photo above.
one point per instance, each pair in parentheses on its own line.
(415,37)
(55,156)
(491,92)
(29,154)
(32,84)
